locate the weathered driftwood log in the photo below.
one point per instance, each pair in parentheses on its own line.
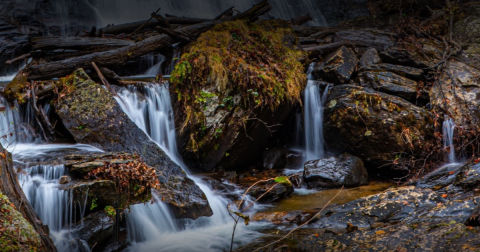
(181,37)
(161,20)
(301,20)
(11,188)
(120,56)
(78,43)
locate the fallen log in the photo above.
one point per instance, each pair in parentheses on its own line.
(11,188)
(78,43)
(170,19)
(120,56)
(226,13)
(103,79)
(24,56)
(301,20)
(161,20)
(184,38)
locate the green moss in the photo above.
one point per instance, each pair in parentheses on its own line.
(16,233)
(250,59)
(14,89)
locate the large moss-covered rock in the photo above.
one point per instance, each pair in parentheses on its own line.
(92,116)
(457,92)
(231,86)
(374,126)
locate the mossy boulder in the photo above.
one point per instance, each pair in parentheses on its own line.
(92,116)
(17,234)
(375,126)
(230,86)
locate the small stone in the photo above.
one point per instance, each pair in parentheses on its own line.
(351,228)
(64,180)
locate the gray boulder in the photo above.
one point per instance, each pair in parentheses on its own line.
(345,170)
(338,67)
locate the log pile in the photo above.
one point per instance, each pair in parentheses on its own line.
(111,47)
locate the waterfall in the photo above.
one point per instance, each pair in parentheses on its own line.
(152,227)
(124,11)
(54,207)
(313,118)
(448,133)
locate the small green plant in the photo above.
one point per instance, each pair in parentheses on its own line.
(218,132)
(110,211)
(94,204)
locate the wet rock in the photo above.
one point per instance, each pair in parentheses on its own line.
(441,236)
(294,159)
(345,170)
(377,39)
(279,191)
(390,83)
(369,58)
(404,71)
(83,169)
(227,140)
(338,67)
(96,228)
(92,116)
(442,177)
(461,88)
(100,193)
(468,176)
(468,30)
(431,54)
(293,217)
(369,124)
(64,180)
(274,159)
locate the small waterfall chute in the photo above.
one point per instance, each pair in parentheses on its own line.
(313,117)
(153,227)
(448,135)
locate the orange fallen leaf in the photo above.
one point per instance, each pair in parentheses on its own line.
(444,196)
(381,232)
(452,172)
(317,235)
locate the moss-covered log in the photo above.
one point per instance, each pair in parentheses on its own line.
(10,188)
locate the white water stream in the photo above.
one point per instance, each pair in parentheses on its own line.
(152,227)
(313,118)
(448,134)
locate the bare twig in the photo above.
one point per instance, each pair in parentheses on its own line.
(139,28)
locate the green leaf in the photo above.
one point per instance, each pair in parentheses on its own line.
(245,218)
(332,103)
(368,133)
(283,180)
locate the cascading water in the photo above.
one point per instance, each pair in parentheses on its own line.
(448,134)
(313,118)
(152,227)
(54,207)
